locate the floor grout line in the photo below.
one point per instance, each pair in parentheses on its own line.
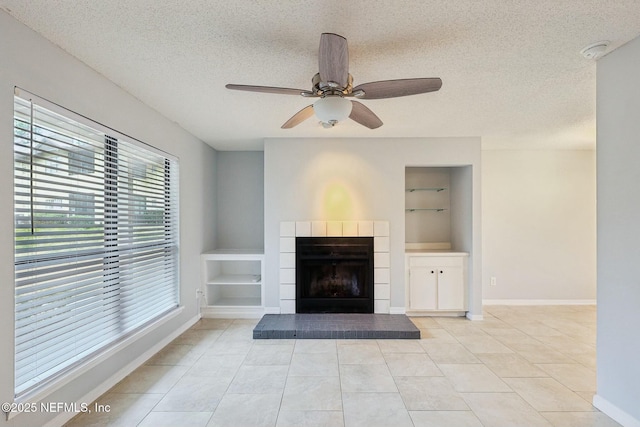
(457,334)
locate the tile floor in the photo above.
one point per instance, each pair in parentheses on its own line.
(521,366)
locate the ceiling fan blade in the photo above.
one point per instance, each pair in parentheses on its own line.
(299,117)
(267,89)
(361,114)
(333,59)
(397,88)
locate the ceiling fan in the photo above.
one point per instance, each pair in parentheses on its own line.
(333,85)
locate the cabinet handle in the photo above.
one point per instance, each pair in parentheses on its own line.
(440,271)
(432,271)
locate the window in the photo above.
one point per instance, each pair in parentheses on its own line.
(81,163)
(96,240)
(82,205)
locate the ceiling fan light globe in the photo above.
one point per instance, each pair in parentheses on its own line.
(332,109)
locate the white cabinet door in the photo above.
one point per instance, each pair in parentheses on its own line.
(436,283)
(423,288)
(450,288)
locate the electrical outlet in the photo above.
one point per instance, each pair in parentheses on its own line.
(493,281)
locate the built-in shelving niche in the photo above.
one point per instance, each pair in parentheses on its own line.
(437,205)
(427,205)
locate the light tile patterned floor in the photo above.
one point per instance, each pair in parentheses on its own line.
(521,366)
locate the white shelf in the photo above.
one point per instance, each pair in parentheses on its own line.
(232,280)
(237,302)
(236,279)
(427,204)
(436,189)
(233,254)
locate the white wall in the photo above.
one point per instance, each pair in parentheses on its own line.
(358,179)
(539,225)
(240,200)
(34,64)
(618,153)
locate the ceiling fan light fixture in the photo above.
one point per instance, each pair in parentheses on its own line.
(332,109)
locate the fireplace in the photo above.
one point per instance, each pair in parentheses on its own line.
(334,275)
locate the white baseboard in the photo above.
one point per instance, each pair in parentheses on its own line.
(474,316)
(232,312)
(397,310)
(539,302)
(614,412)
(272,310)
(119,376)
(435,313)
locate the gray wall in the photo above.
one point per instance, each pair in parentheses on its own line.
(72,84)
(462,208)
(209,201)
(618,157)
(240,200)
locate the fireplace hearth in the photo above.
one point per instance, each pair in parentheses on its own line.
(334,275)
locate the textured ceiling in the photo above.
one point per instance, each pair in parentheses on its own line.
(511,69)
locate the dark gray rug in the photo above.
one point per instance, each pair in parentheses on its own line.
(335,326)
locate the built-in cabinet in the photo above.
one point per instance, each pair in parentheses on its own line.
(436,282)
(232,281)
(438,210)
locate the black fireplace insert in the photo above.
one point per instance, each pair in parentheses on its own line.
(334,274)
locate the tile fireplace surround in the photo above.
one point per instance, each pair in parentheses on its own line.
(379,230)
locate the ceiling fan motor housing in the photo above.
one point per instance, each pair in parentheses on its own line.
(321,88)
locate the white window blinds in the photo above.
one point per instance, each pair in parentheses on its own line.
(96,240)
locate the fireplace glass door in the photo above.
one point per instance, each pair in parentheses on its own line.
(334,274)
